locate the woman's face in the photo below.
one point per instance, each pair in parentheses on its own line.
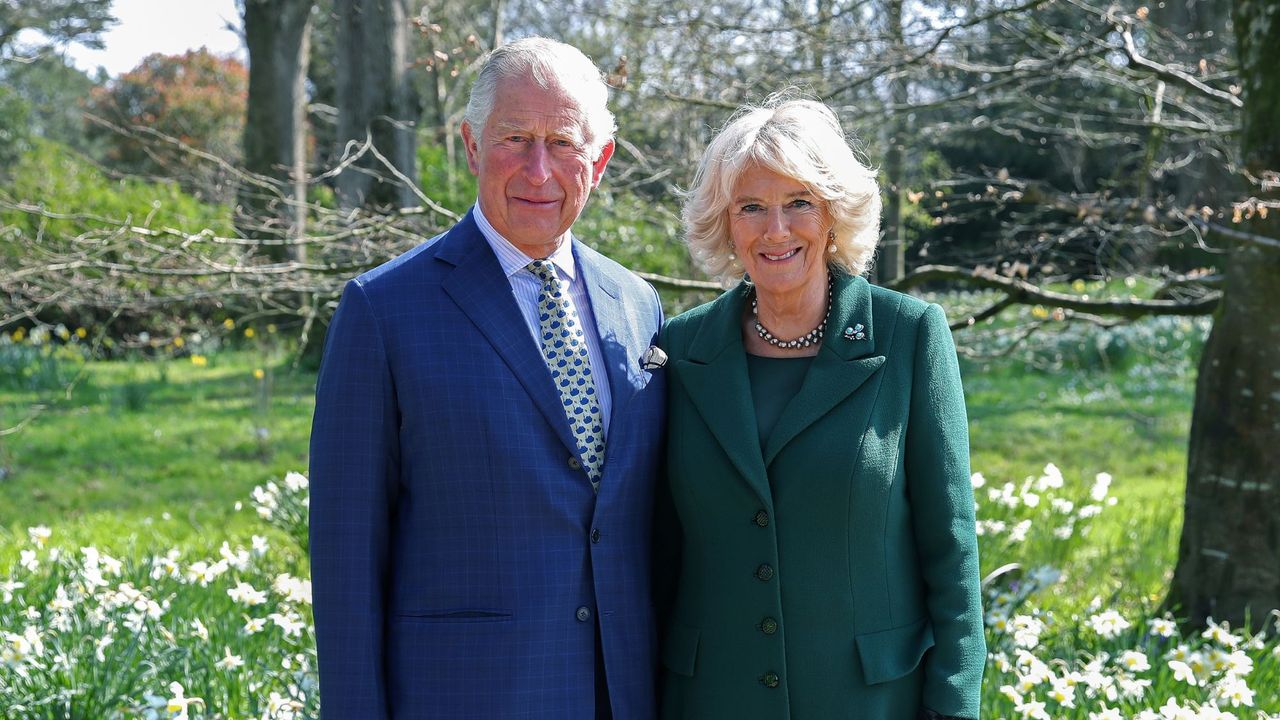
(779,230)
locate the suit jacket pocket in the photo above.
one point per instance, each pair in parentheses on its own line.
(461,615)
(680,649)
(890,654)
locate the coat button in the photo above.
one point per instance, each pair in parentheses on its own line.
(770,679)
(762,518)
(583,614)
(595,535)
(574,463)
(768,626)
(764,572)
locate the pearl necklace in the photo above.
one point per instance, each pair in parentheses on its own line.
(813,337)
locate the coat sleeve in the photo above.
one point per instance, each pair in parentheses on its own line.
(668,536)
(942,509)
(354,470)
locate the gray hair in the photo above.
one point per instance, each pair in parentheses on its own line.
(801,139)
(549,62)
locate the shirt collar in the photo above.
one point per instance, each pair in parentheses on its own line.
(512,259)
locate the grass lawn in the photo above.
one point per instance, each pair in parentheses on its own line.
(157,447)
(163,449)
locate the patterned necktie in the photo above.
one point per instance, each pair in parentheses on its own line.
(564,347)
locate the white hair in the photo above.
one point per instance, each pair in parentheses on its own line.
(800,139)
(549,63)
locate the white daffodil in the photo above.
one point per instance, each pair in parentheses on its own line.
(1101,484)
(1220,634)
(1234,690)
(27,559)
(165,566)
(199,630)
(178,704)
(238,558)
(252,626)
(39,535)
(1032,709)
(297,482)
(290,623)
(293,589)
(1163,627)
(245,594)
(1108,624)
(1051,479)
(1134,661)
(1106,713)
(229,661)
(8,588)
(1171,710)
(1011,693)
(1182,672)
(1063,693)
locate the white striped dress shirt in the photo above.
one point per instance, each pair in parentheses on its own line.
(525,287)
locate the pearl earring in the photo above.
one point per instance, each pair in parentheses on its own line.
(831,238)
(732,257)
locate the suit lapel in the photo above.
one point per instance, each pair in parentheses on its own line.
(615,329)
(481,291)
(715,377)
(844,362)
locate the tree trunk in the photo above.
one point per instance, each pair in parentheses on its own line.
(1229,558)
(376,101)
(892,262)
(277,33)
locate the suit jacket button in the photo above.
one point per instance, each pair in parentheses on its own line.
(574,464)
(762,518)
(583,614)
(768,626)
(595,535)
(764,572)
(770,679)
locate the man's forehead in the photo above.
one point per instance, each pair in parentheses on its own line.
(562,121)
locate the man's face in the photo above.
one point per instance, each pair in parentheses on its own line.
(532,164)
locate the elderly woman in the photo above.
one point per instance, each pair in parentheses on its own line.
(820,513)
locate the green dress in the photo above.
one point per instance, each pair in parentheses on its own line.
(828,568)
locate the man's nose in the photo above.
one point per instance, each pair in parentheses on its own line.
(537,164)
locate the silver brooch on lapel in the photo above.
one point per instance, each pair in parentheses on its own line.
(855,332)
(653,359)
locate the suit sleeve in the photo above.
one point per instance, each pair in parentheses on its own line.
(942,509)
(354,470)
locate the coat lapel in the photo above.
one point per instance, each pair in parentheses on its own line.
(715,376)
(479,288)
(844,362)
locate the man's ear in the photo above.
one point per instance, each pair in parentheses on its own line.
(473,150)
(597,167)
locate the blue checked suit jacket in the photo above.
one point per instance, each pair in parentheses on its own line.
(451,525)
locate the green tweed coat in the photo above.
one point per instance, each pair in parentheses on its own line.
(833,573)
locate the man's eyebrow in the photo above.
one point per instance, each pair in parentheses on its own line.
(569,129)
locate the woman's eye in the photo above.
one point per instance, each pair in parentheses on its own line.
(801,204)
(752,207)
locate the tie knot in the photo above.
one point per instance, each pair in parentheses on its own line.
(543,270)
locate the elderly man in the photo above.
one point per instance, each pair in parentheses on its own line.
(487,429)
